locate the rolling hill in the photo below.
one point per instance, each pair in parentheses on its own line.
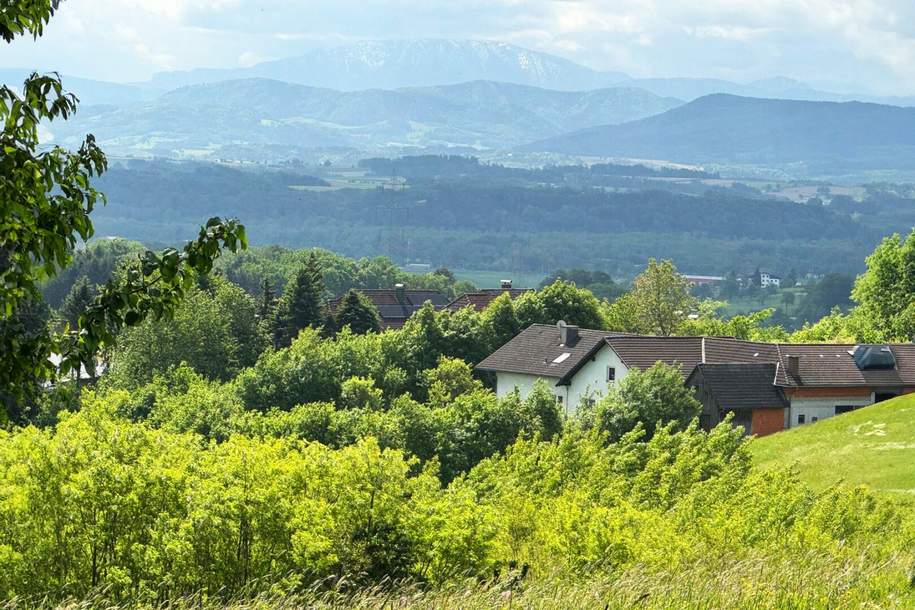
(874,446)
(264,119)
(739,130)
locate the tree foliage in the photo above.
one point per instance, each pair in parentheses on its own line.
(661,298)
(45,202)
(101,505)
(649,399)
(886,291)
(358,313)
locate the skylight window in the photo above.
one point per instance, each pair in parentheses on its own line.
(561,357)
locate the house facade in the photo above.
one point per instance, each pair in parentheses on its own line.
(765,386)
(768,279)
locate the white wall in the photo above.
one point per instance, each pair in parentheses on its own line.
(822,407)
(507,382)
(589,382)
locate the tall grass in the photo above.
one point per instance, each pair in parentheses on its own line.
(807,582)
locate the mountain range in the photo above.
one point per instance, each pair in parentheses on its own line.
(723,128)
(262,119)
(407,96)
(395,64)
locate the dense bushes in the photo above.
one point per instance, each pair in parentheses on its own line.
(460,424)
(101,503)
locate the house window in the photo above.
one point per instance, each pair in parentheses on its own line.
(611,374)
(801,418)
(840,409)
(558,399)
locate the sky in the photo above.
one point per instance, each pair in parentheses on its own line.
(865,46)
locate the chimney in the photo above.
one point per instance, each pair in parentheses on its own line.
(400,292)
(794,366)
(506,284)
(567,333)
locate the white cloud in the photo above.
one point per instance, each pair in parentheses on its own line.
(868,42)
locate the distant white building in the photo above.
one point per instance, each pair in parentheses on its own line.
(702,280)
(767,279)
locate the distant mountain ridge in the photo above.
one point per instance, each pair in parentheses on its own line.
(402,63)
(724,128)
(394,64)
(267,119)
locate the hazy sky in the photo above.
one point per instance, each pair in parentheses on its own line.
(839,44)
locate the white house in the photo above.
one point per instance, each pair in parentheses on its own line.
(575,362)
(767,279)
(768,386)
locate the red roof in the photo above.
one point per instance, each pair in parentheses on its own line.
(480,299)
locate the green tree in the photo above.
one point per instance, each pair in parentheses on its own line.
(788,299)
(267,301)
(216,333)
(500,321)
(730,288)
(652,398)
(77,301)
(560,301)
(357,312)
(45,202)
(302,303)
(885,292)
(661,298)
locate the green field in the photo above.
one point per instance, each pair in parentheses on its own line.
(874,446)
(774,300)
(491,279)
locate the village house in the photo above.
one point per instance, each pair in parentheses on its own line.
(396,305)
(767,386)
(702,280)
(768,279)
(481,298)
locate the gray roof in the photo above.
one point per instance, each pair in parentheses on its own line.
(737,387)
(394,306)
(535,349)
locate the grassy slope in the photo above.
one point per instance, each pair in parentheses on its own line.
(874,446)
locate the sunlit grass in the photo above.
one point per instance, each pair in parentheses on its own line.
(873,446)
(811,582)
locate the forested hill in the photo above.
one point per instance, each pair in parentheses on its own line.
(262,119)
(731,129)
(490,224)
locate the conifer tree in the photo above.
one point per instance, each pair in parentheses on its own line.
(357,312)
(267,300)
(77,301)
(302,304)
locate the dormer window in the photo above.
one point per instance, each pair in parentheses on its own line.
(874,357)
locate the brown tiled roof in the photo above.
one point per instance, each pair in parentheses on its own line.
(481,298)
(823,365)
(727,349)
(642,351)
(394,310)
(740,386)
(534,350)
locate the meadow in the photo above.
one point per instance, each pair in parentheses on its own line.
(874,446)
